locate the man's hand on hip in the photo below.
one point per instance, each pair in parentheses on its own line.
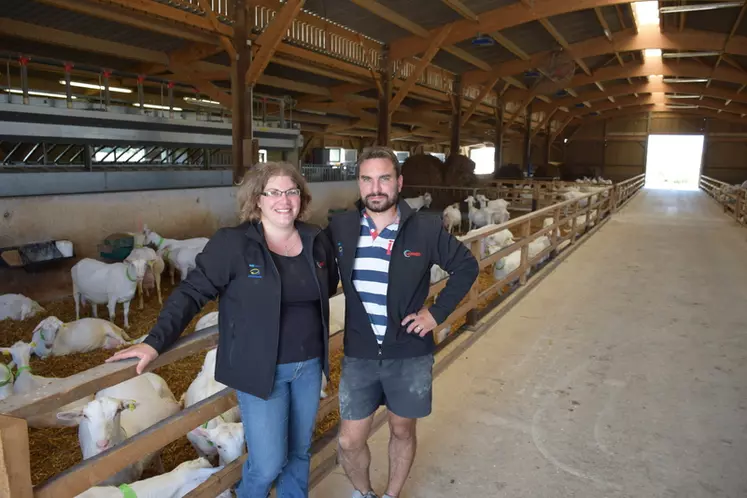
(420,323)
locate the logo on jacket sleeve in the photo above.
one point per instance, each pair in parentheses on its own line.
(255,271)
(321,264)
(411,254)
(339,248)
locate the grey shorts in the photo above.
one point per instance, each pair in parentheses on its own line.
(403,385)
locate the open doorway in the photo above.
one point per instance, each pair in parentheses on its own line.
(673,161)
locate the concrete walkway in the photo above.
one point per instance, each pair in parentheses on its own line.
(623,374)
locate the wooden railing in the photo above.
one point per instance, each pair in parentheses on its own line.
(15,475)
(326,37)
(731,197)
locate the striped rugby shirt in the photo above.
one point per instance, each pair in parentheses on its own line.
(371,270)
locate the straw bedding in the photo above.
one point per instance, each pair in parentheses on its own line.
(55,449)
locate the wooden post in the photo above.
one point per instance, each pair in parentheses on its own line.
(574,215)
(241,112)
(456,117)
(524,265)
(498,156)
(15,467)
(604,148)
(535,196)
(528,139)
(555,234)
(474,292)
(385,122)
(548,143)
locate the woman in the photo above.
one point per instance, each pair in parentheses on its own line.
(274,276)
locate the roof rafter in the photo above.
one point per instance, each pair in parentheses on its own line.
(496,20)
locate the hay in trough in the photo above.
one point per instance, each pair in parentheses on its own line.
(423,169)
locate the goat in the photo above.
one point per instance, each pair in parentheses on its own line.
(227,438)
(203,386)
(26,382)
(452,217)
(109,284)
(6,381)
(155,265)
(422,201)
(499,206)
(18,307)
(159,242)
(180,258)
(477,217)
(53,337)
(120,412)
(175,484)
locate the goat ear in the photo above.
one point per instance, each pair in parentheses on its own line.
(71,416)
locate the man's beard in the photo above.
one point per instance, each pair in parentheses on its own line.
(383,205)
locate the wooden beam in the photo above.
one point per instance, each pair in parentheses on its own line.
(224,40)
(270,38)
(423,63)
(622,41)
(241,110)
(136,19)
(510,46)
(563,43)
(527,150)
(15,469)
(456,124)
(385,117)
(495,20)
(499,134)
(398,20)
(461,9)
(483,93)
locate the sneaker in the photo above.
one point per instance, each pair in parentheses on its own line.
(358,494)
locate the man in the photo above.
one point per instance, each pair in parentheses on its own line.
(385,251)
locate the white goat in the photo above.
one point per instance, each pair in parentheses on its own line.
(207,320)
(180,258)
(155,265)
(419,202)
(498,207)
(26,382)
(53,337)
(18,307)
(152,237)
(452,217)
(120,412)
(202,387)
(6,381)
(227,438)
(336,313)
(477,217)
(102,283)
(175,484)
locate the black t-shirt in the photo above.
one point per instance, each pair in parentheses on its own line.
(301,329)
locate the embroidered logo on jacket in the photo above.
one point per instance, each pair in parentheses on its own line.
(339,248)
(255,271)
(321,264)
(411,254)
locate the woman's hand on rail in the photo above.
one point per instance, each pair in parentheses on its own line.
(145,352)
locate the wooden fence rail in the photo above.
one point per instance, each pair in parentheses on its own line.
(731,197)
(15,476)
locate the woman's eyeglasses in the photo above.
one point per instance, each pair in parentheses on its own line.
(291,192)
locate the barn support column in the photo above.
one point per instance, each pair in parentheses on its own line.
(548,143)
(456,117)
(528,139)
(498,156)
(604,147)
(241,105)
(385,95)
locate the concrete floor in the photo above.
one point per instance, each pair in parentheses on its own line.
(623,374)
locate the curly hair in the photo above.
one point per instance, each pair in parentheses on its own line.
(255,181)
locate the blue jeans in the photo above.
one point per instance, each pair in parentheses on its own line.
(278,432)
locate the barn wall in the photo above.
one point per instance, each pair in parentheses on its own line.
(87,219)
(616,149)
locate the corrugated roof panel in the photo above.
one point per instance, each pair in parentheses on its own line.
(577,26)
(726,85)
(81,59)
(451,62)
(480,6)
(531,37)
(600,61)
(290,73)
(358,19)
(46,15)
(718,20)
(613,20)
(428,14)
(492,54)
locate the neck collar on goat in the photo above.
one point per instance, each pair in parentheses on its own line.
(8,379)
(128,276)
(127,491)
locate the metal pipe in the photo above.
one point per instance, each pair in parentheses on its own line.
(68,88)
(24,78)
(107,94)
(140,92)
(171,99)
